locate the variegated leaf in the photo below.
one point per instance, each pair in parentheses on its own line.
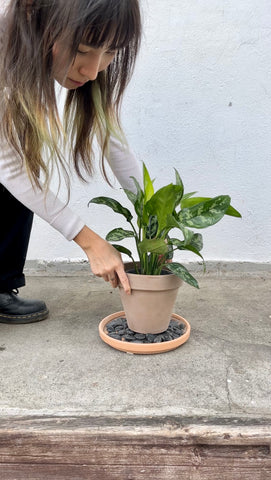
(114,204)
(119,234)
(205,213)
(183,273)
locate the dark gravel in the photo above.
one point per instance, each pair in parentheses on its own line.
(119,330)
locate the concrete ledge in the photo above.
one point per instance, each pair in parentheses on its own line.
(75,267)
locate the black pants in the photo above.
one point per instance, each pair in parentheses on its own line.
(15,228)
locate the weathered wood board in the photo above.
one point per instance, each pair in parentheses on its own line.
(71,448)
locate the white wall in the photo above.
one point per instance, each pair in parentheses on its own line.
(200,101)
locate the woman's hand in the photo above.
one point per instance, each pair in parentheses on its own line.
(105,261)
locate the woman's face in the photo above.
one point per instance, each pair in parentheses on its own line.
(87,64)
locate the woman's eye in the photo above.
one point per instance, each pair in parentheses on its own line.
(108,52)
(111,52)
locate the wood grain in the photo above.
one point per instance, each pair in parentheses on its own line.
(71,448)
(89,450)
(129,472)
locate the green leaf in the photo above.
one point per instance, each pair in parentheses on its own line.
(192,249)
(116,206)
(148,186)
(179,180)
(188,235)
(172,222)
(131,195)
(154,245)
(170,252)
(190,238)
(197,241)
(177,243)
(233,212)
(190,202)
(163,203)
(181,245)
(183,273)
(122,249)
(206,213)
(118,234)
(188,195)
(138,187)
(152,227)
(138,202)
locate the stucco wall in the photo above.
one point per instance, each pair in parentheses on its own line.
(200,101)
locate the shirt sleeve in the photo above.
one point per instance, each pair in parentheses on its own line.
(14,177)
(124,165)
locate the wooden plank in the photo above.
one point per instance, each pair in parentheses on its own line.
(211,431)
(55,422)
(129,472)
(72,448)
(100,450)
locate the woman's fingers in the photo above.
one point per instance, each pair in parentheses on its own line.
(123,279)
(112,278)
(104,259)
(119,278)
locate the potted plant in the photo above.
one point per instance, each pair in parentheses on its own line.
(155,278)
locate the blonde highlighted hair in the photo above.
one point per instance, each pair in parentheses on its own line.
(31,121)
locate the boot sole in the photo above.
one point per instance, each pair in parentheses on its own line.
(21,319)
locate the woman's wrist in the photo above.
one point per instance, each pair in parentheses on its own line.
(85,238)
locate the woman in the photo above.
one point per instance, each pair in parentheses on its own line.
(89,47)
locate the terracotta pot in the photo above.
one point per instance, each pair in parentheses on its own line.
(149,307)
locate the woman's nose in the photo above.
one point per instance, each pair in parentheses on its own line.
(91,68)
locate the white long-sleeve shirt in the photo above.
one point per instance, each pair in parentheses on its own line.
(14,177)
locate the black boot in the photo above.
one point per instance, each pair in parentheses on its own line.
(16,310)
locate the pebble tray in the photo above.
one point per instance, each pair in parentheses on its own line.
(140,343)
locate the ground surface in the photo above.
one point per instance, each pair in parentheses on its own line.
(60,366)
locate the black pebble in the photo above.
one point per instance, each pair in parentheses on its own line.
(140,336)
(119,330)
(114,335)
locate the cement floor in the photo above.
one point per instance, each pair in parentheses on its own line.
(60,366)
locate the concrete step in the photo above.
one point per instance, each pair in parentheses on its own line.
(74,408)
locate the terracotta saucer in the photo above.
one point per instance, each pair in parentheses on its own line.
(142,348)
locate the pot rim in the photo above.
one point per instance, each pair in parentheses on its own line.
(151,282)
(130,266)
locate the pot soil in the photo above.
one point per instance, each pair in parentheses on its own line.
(149,307)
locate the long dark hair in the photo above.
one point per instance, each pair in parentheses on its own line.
(31,122)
